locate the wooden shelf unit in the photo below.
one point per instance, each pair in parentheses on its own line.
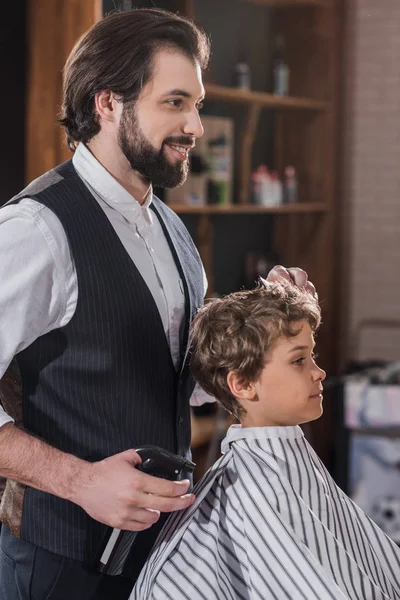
(254,102)
(263,100)
(305,132)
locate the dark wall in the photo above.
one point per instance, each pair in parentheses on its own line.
(238,31)
(12,97)
(234,236)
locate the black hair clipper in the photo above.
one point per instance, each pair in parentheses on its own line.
(159,463)
(164,464)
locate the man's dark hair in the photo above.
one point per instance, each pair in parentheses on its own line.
(116,54)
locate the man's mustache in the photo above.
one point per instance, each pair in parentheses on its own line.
(180,141)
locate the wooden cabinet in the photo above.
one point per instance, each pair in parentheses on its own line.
(305,127)
(53,27)
(305,131)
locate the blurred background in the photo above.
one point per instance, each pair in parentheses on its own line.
(299,165)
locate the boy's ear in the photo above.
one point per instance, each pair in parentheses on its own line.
(239,387)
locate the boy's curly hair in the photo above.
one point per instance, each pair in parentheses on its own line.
(234,333)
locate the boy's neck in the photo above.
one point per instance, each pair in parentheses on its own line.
(251,421)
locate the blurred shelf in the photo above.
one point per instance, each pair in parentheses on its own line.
(203,430)
(251,209)
(391,432)
(291,3)
(238,96)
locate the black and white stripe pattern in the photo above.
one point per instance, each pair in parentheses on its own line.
(269,522)
(105,382)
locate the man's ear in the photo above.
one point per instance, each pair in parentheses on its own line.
(108,107)
(240,388)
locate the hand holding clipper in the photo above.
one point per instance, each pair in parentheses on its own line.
(158,463)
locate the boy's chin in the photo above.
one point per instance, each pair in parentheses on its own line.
(318,413)
(312,416)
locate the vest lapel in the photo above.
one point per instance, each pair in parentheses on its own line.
(189,274)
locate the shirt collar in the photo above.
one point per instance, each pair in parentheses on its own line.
(236,433)
(109,189)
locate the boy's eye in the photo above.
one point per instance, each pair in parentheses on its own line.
(299,361)
(200,105)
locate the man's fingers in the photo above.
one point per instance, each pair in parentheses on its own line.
(131,456)
(277,273)
(299,277)
(162,487)
(135,526)
(163,504)
(142,515)
(310,288)
(162,494)
(131,514)
(293,275)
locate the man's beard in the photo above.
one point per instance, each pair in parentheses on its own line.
(151,164)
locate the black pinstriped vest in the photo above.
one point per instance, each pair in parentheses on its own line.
(105,382)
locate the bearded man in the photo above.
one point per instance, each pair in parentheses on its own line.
(99,281)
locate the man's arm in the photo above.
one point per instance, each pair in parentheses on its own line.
(35,271)
(26,459)
(111,491)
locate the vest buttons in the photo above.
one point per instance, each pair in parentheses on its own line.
(180,420)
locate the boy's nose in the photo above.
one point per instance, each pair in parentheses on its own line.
(319,374)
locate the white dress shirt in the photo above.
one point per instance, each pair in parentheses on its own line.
(39,285)
(270,522)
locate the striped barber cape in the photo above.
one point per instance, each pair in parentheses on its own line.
(269,522)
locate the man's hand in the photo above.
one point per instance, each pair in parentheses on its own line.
(293,275)
(113,492)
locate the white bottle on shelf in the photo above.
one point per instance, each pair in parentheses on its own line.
(277,189)
(280,69)
(242,77)
(266,186)
(291,187)
(256,185)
